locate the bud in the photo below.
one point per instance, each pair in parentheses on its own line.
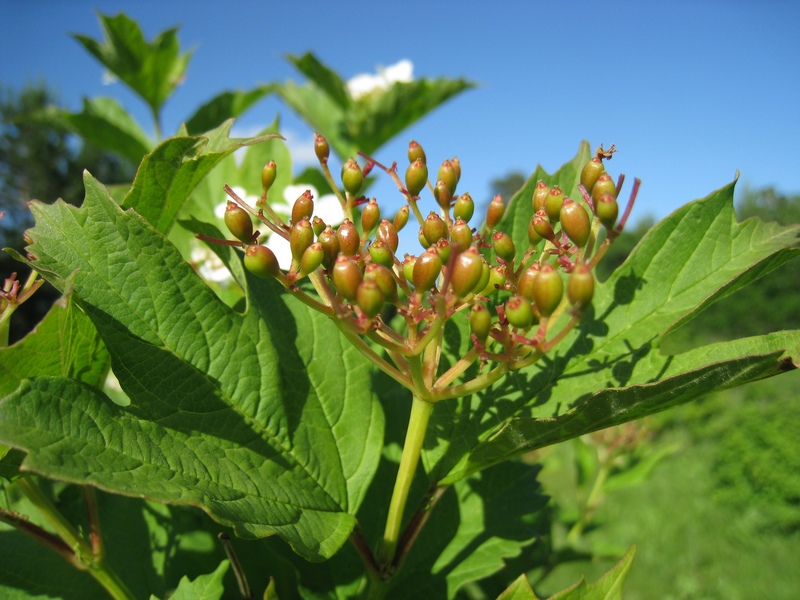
(495,212)
(539,195)
(461,234)
(590,172)
(580,287)
(415,152)
(387,233)
(553,202)
(370,216)
(321,149)
(426,271)
(268,174)
(300,237)
(464,207)
(239,222)
(547,290)
(384,278)
(467,272)
(352,177)
(447,174)
(575,222)
(261,261)
(311,260)
(401,218)
(381,254)
(330,246)
(519,312)
(442,194)
(346,276)
(369,297)
(303,207)
(503,246)
(480,321)
(349,240)
(434,228)
(606,209)
(416,177)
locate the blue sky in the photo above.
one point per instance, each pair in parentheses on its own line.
(689,91)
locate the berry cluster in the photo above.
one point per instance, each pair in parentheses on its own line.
(512,298)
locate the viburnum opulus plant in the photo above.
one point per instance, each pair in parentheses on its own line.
(354,394)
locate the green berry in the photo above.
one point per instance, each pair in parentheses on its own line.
(540,194)
(464,207)
(467,272)
(330,246)
(548,288)
(311,260)
(261,261)
(416,177)
(321,149)
(300,237)
(408,267)
(519,312)
(352,177)
(461,234)
(384,278)
(604,185)
(606,209)
(401,218)
(533,237)
(575,222)
(387,233)
(503,246)
(448,175)
(541,225)
(426,271)
(318,225)
(370,216)
(495,212)
(415,152)
(349,240)
(369,297)
(486,274)
(346,276)
(381,254)
(442,194)
(525,281)
(553,203)
(268,174)
(422,240)
(443,248)
(434,228)
(456,167)
(303,207)
(480,321)
(590,172)
(580,286)
(239,222)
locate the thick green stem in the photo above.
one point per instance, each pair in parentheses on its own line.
(415,435)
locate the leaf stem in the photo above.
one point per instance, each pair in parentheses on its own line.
(238,570)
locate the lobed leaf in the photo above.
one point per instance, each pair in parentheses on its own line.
(608,587)
(264,419)
(204,587)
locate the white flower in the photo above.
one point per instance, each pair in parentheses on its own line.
(209,265)
(364,84)
(281,249)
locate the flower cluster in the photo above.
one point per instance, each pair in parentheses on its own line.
(512,298)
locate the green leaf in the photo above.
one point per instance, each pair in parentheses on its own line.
(265,419)
(520,589)
(104,123)
(489,518)
(323,77)
(224,106)
(320,112)
(204,587)
(610,369)
(152,70)
(608,587)
(168,175)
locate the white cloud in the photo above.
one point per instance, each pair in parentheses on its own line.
(366,83)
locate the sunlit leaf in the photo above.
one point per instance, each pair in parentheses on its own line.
(224,106)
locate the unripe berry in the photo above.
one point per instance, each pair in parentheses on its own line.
(300,237)
(261,261)
(442,194)
(606,209)
(519,312)
(533,237)
(448,175)
(408,267)
(461,234)
(239,222)
(318,225)
(384,278)
(590,172)
(525,281)
(434,228)
(369,297)
(330,246)
(539,195)
(370,216)
(381,254)
(503,246)
(443,248)
(486,274)
(401,218)
(548,288)
(268,174)
(495,212)
(346,276)
(480,321)
(464,207)
(422,241)
(349,240)
(321,148)
(604,185)
(467,272)
(497,278)
(553,202)
(387,233)
(416,177)
(415,152)
(541,225)
(311,260)
(352,177)
(303,207)
(580,286)
(456,163)
(427,268)
(575,222)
